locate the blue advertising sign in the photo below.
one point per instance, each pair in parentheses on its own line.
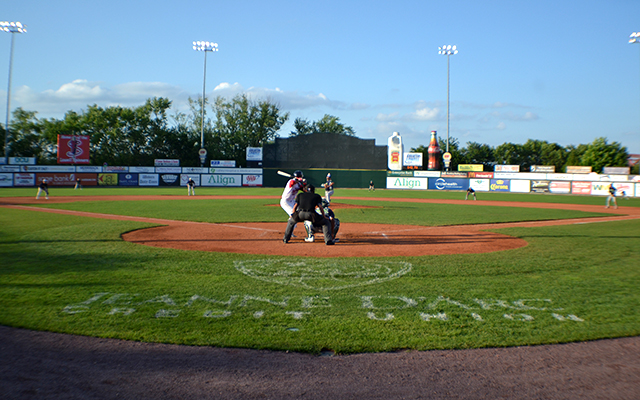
(448,184)
(499,185)
(127,179)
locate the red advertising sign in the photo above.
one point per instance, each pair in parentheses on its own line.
(581,187)
(73,149)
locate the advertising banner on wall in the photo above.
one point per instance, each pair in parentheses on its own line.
(251,180)
(616,170)
(624,189)
(520,186)
(581,187)
(127,179)
(543,168)
(48,168)
(115,168)
(73,149)
(142,170)
(499,185)
(9,168)
(108,179)
(560,187)
(221,180)
(22,161)
(195,170)
(540,186)
(254,153)
(412,159)
(6,179)
(479,185)
(88,168)
(481,175)
(506,168)
(166,163)
(24,179)
(406,182)
(470,167)
(169,179)
(61,179)
(184,178)
(578,170)
(223,163)
(148,180)
(448,184)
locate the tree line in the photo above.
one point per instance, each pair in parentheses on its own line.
(598,154)
(137,136)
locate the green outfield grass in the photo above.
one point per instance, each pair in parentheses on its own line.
(75,274)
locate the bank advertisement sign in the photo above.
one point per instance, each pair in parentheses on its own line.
(407,182)
(448,184)
(128,179)
(500,185)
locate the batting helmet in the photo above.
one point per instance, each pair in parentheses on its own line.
(298,174)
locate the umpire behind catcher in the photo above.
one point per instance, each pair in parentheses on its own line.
(304,210)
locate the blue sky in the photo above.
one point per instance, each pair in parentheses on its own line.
(560,70)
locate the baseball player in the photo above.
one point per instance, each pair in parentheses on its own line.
(191,187)
(328,188)
(312,228)
(470,191)
(304,209)
(612,196)
(294,185)
(371,186)
(78,184)
(43,187)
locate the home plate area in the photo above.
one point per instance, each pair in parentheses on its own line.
(355,240)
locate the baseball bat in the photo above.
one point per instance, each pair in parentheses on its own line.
(284,174)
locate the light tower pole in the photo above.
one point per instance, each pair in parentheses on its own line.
(447,51)
(13,28)
(634,38)
(205,47)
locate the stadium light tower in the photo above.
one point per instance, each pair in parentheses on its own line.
(13,28)
(206,47)
(634,38)
(447,51)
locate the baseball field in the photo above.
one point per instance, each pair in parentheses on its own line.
(412,270)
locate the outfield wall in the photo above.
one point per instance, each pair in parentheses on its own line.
(514,182)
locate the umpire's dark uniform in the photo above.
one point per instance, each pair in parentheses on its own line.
(304,210)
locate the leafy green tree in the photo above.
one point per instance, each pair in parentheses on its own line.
(242,123)
(26,139)
(327,124)
(574,155)
(600,154)
(510,154)
(539,152)
(476,153)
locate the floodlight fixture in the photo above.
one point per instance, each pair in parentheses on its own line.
(448,50)
(206,47)
(13,28)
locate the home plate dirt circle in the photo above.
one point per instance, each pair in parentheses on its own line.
(355,240)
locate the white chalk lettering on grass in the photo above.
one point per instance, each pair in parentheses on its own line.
(321,274)
(378,308)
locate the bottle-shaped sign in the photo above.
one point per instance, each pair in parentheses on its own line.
(434,153)
(395,152)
